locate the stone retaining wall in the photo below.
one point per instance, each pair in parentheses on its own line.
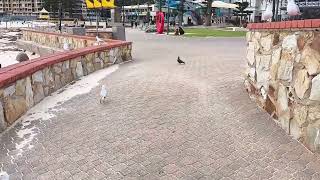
(283,76)
(25,84)
(102,34)
(36,48)
(56,40)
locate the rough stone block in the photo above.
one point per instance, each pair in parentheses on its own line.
(295,130)
(275,58)
(262,70)
(21,87)
(48,77)
(311,136)
(290,43)
(314,114)
(73,62)
(38,93)
(285,67)
(14,107)
(249,36)
(270,107)
(65,66)
(79,70)
(57,68)
(57,82)
(300,114)
(282,100)
(316,43)
(301,83)
(284,119)
(3,123)
(310,59)
(266,43)
(301,43)
(89,67)
(9,91)
(315,89)
(37,77)
(29,93)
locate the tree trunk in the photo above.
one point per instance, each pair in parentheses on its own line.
(181,9)
(208,13)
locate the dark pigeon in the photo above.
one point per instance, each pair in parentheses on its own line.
(180,61)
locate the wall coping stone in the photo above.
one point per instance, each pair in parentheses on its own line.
(12,73)
(68,35)
(295,24)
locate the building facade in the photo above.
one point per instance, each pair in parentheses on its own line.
(21,7)
(139,12)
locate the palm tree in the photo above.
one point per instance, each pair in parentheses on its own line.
(148,12)
(181,10)
(208,13)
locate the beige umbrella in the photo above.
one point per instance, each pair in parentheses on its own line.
(220,4)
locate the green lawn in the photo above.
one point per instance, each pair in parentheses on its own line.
(204,32)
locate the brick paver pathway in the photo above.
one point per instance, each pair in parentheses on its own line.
(163,121)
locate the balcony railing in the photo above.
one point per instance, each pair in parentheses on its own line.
(303,4)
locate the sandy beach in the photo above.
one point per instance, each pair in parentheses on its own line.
(8,48)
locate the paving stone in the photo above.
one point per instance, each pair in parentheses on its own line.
(163,121)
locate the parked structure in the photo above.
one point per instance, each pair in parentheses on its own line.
(32,8)
(21,7)
(139,12)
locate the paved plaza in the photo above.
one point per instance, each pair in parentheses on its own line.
(161,121)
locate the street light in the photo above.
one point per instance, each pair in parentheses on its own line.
(273,10)
(123,14)
(60,16)
(168,18)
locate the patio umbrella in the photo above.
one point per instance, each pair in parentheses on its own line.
(220,4)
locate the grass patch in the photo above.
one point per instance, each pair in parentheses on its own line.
(204,32)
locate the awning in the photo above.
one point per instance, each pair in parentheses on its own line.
(220,4)
(109,4)
(44,11)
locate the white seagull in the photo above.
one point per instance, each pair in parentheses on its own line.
(292,8)
(267,15)
(99,40)
(66,46)
(103,94)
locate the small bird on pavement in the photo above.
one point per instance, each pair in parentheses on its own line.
(66,46)
(99,40)
(103,94)
(180,61)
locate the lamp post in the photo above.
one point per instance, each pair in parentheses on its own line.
(6,20)
(97,22)
(60,17)
(181,12)
(168,18)
(273,10)
(138,11)
(148,12)
(123,14)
